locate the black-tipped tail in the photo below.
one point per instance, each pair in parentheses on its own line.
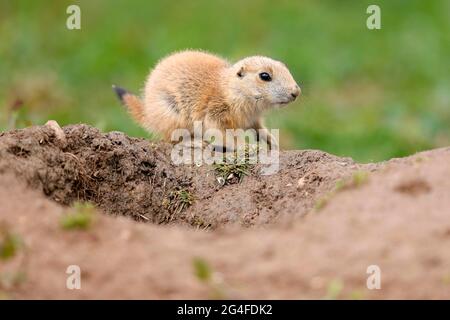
(120,92)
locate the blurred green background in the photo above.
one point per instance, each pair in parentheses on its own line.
(368,94)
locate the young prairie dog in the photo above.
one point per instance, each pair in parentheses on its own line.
(191,86)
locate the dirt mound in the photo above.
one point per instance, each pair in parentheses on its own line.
(396,216)
(123,176)
(133,177)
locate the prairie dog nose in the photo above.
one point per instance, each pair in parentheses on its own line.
(296,92)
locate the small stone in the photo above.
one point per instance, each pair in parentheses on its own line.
(221,180)
(301,183)
(59,133)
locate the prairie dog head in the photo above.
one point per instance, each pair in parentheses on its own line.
(263,82)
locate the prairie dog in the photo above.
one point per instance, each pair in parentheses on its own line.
(193,86)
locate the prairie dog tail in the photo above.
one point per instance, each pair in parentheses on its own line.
(131,102)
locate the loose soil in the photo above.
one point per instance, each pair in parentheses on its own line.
(309,231)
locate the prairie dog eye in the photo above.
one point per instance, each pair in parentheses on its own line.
(264,76)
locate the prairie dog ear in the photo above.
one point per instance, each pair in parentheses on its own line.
(241,68)
(241,71)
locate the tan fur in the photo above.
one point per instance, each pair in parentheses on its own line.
(135,107)
(197,86)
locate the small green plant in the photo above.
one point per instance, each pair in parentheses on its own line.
(9,244)
(178,200)
(199,223)
(359,178)
(334,289)
(228,171)
(185,197)
(356,295)
(204,273)
(321,203)
(12,280)
(340,185)
(202,270)
(80,216)
(234,167)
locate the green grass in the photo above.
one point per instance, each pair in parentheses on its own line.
(226,171)
(357,179)
(202,269)
(334,289)
(80,217)
(356,295)
(9,244)
(178,200)
(322,202)
(234,166)
(204,273)
(11,280)
(370,95)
